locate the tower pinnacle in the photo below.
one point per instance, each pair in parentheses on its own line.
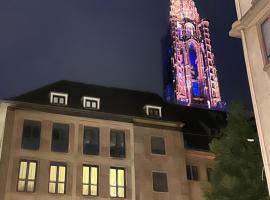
(194,80)
(184,9)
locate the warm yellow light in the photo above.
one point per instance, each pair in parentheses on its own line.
(53,172)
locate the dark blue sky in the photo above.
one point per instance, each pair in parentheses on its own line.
(105,42)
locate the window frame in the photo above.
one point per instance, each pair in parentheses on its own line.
(68,145)
(160,172)
(148,107)
(57,164)
(91,99)
(209,172)
(59,95)
(125,151)
(117,186)
(99,146)
(190,168)
(22,135)
(157,154)
(27,173)
(90,183)
(266,60)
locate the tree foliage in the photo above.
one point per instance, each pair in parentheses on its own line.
(237,174)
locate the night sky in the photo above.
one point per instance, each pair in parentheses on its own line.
(106,42)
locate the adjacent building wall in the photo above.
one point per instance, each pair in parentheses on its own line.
(248,28)
(3,114)
(242,6)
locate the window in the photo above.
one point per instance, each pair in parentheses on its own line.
(31,135)
(153,111)
(60,138)
(91,102)
(158,145)
(192,173)
(27,176)
(91,141)
(160,182)
(117,143)
(117,182)
(266,37)
(57,184)
(90,180)
(209,173)
(58,98)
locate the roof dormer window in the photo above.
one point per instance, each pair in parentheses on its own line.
(59,98)
(91,103)
(153,111)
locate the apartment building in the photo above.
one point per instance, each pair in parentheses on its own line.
(75,141)
(253,27)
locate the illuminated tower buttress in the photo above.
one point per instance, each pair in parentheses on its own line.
(194,74)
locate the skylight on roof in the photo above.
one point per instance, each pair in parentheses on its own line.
(58,98)
(91,102)
(153,111)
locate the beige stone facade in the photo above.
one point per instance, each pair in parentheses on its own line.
(139,162)
(252,14)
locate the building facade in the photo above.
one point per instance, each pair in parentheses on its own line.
(67,141)
(253,27)
(193,77)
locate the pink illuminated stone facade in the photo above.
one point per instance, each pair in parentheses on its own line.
(194,74)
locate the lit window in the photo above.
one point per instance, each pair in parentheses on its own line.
(117,143)
(160,182)
(192,173)
(91,102)
(90,181)
(27,176)
(58,98)
(266,36)
(158,145)
(117,182)
(60,138)
(31,135)
(153,111)
(91,141)
(57,184)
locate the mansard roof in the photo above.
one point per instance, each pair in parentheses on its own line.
(198,122)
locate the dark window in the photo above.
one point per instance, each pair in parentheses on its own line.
(91,104)
(57,99)
(158,145)
(117,182)
(91,141)
(27,176)
(192,173)
(57,183)
(209,173)
(117,143)
(160,182)
(31,135)
(60,137)
(153,112)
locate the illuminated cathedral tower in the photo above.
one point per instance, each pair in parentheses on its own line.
(194,80)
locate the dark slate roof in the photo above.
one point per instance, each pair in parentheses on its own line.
(199,122)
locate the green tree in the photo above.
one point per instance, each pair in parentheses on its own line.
(237,173)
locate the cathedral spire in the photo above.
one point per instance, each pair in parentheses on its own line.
(184,9)
(194,80)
